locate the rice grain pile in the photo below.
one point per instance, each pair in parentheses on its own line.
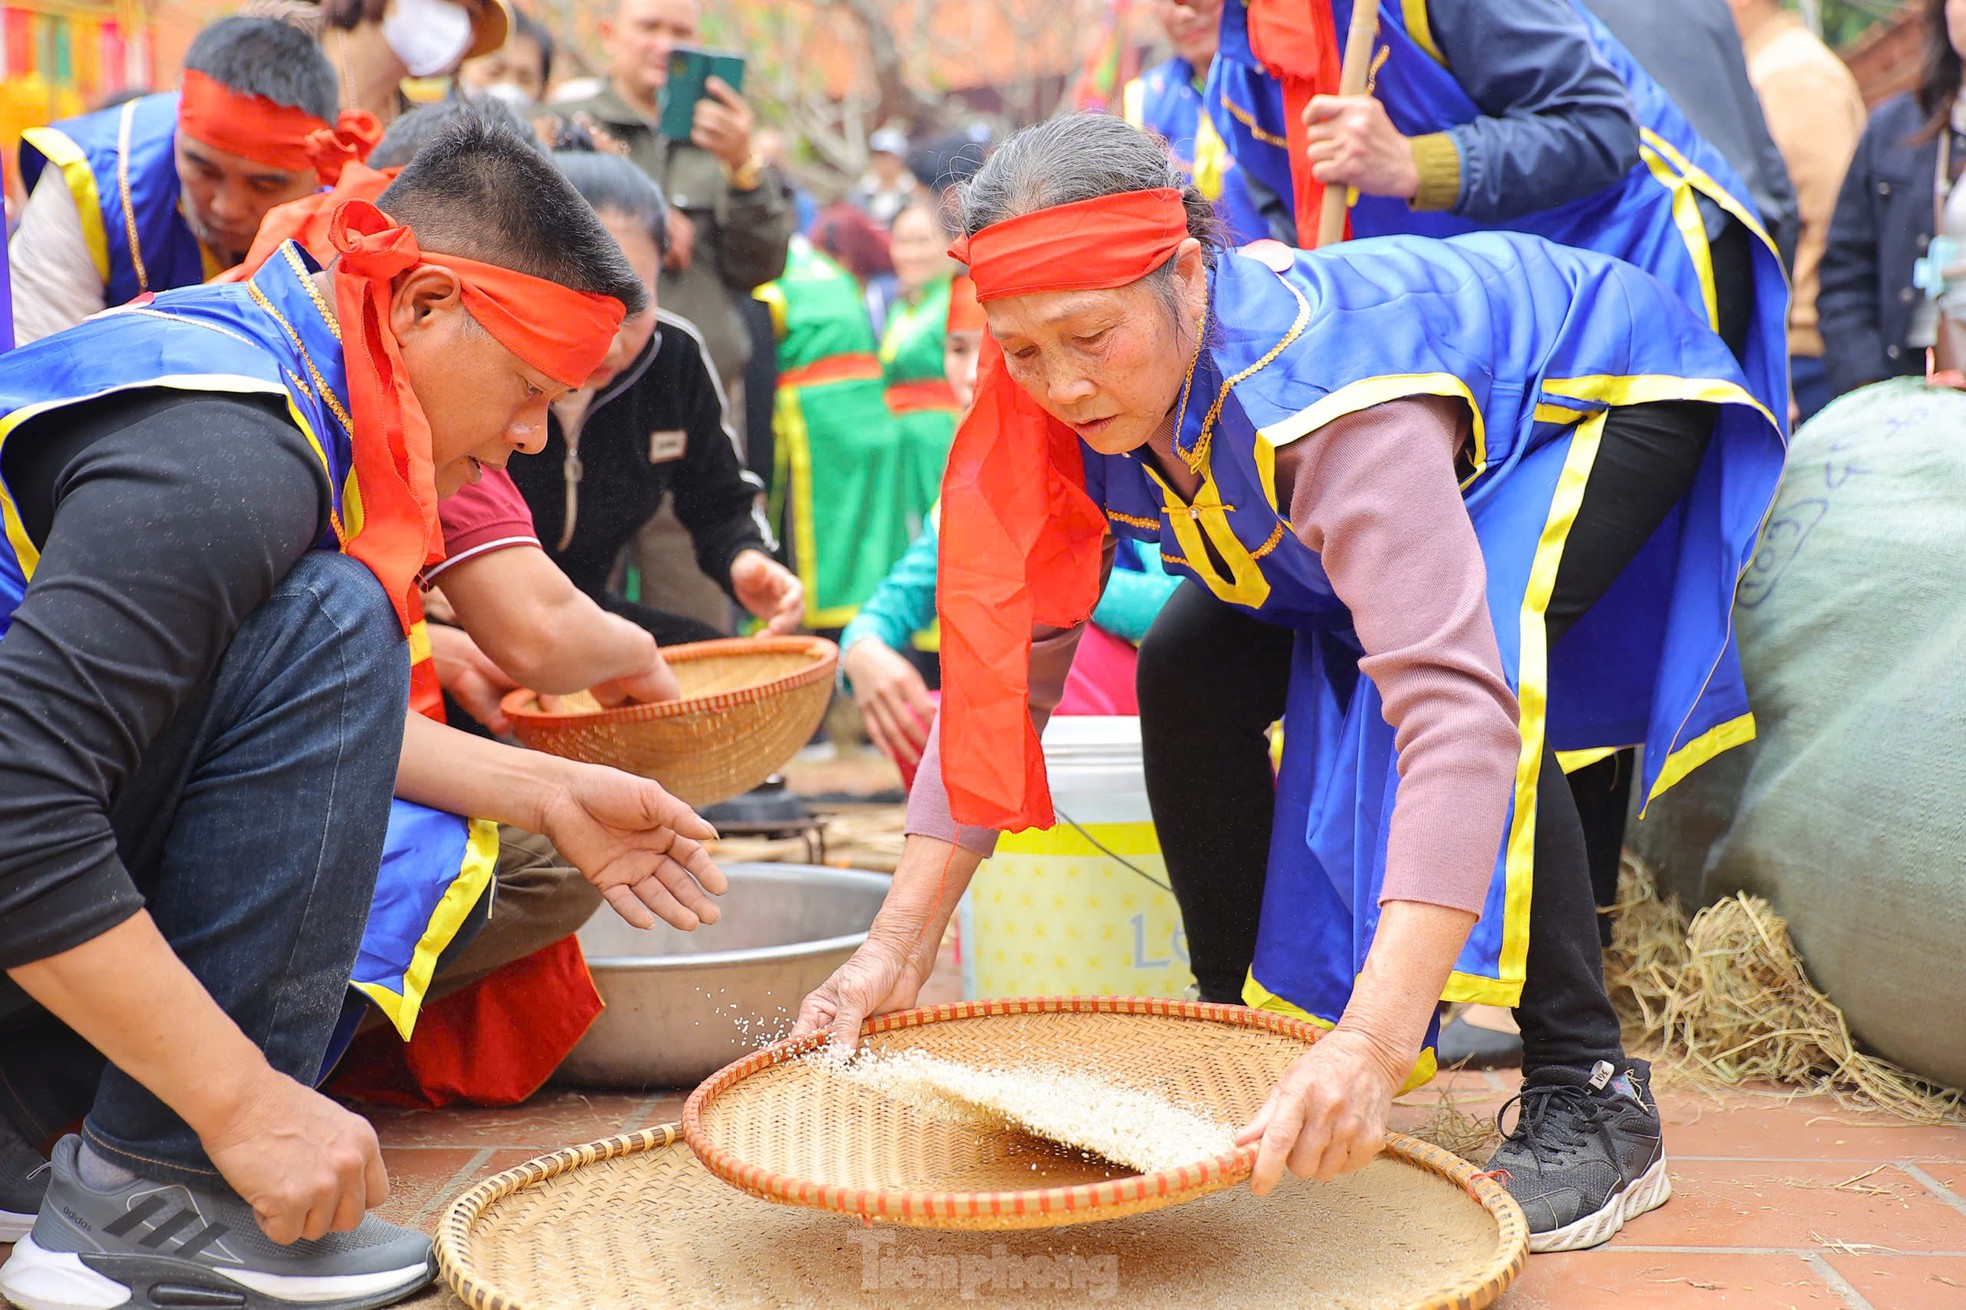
(1125,1125)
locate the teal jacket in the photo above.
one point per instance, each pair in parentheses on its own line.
(904,603)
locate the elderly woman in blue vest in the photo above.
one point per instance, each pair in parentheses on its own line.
(1497,489)
(1530,117)
(1167,99)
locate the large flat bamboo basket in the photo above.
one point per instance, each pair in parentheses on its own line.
(636,1223)
(747,707)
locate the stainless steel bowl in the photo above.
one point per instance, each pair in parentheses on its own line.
(682,1005)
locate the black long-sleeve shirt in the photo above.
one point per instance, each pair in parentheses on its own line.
(659,427)
(163,520)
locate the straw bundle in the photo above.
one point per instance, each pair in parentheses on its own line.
(1724,999)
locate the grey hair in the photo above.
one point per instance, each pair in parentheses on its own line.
(1077,157)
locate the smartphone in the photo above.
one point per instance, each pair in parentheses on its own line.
(689,68)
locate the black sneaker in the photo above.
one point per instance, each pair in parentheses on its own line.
(23,1182)
(1586,1154)
(165,1244)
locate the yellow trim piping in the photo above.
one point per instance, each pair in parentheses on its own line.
(1367,392)
(123,125)
(1133,103)
(1571,761)
(419,641)
(1532,695)
(1724,737)
(795,463)
(1686,217)
(473,876)
(1258,997)
(1248,120)
(774,297)
(1420,27)
(64,154)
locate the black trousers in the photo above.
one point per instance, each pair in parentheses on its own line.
(1212,679)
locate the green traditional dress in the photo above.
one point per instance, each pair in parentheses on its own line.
(840,477)
(918,391)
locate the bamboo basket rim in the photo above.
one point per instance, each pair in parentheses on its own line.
(1079,1203)
(455,1265)
(524,704)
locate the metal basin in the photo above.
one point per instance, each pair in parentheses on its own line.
(682,1005)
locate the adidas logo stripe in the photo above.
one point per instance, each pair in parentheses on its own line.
(167,1228)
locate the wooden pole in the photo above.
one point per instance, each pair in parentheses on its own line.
(1359,36)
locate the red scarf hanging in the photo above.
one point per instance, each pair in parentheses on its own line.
(564,334)
(1299,45)
(1020,539)
(279,136)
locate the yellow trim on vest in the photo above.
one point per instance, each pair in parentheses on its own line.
(794,466)
(474,875)
(1572,761)
(1532,696)
(1724,737)
(227,383)
(1266,474)
(419,641)
(1704,183)
(1245,584)
(1420,27)
(1133,103)
(1258,997)
(774,297)
(1687,218)
(1212,159)
(80,179)
(1367,392)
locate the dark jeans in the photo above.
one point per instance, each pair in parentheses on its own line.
(1212,679)
(1810,382)
(254,830)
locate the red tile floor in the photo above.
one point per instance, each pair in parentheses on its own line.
(1779,1201)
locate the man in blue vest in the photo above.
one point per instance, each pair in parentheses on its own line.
(216,502)
(1167,99)
(167,190)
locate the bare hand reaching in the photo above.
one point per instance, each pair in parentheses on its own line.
(641,846)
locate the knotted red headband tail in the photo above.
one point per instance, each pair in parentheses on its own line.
(279,136)
(1021,541)
(563,333)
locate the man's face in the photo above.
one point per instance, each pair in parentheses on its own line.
(1192,28)
(641,36)
(645,257)
(483,404)
(225,196)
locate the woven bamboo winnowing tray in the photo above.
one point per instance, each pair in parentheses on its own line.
(636,1223)
(747,707)
(787,1130)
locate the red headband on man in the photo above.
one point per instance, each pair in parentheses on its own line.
(564,334)
(279,136)
(1021,542)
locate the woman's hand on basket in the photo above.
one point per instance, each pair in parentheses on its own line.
(894,701)
(770,592)
(879,978)
(1326,1117)
(641,846)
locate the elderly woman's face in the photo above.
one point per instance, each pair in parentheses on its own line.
(1108,363)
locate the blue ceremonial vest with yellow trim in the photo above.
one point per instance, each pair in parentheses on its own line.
(271,337)
(1651,217)
(1509,325)
(120,165)
(1166,99)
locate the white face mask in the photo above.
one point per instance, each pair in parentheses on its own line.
(509,93)
(429,36)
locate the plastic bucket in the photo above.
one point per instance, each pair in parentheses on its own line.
(1082,908)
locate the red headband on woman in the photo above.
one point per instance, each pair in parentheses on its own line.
(1021,542)
(279,136)
(564,334)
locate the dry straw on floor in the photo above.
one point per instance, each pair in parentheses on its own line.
(636,1223)
(1723,999)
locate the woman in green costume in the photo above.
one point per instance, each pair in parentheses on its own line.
(840,480)
(918,394)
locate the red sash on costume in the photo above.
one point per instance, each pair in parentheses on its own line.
(1298,44)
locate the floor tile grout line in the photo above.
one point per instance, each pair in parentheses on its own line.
(1857,1248)
(1938,1189)
(452,1185)
(1824,1270)
(638,1117)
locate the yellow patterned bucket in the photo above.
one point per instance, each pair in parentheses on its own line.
(1082,908)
